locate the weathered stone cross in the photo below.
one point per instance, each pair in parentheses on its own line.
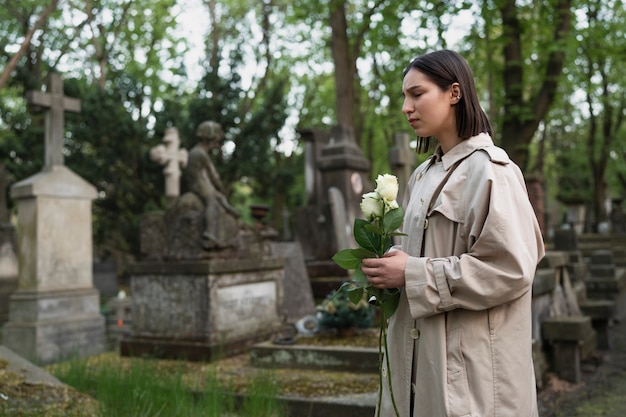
(57,104)
(172,157)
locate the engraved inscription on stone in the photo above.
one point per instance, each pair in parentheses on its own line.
(241,308)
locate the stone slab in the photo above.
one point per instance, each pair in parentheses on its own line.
(31,373)
(553,260)
(602,257)
(298,301)
(567,328)
(601,271)
(335,358)
(598,309)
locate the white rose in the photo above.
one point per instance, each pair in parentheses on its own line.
(371,205)
(387,187)
(391,205)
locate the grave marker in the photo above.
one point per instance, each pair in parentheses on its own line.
(172,157)
(57,103)
(55,311)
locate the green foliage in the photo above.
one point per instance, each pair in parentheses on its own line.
(141,388)
(345,308)
(264,62)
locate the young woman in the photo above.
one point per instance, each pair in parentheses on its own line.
(460,340)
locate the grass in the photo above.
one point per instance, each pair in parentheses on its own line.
(147,388)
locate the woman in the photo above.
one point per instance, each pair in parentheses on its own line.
(460,340)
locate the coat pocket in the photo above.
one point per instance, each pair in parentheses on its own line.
(457,384)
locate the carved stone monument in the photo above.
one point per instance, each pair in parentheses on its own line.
(208,283)
(8,258)
(201,223)
(333,161)
(172,157)
(55,312)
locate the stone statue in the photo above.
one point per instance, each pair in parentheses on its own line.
(202,179)
(201,223)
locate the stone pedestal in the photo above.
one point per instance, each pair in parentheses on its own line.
(55,312)
(199,309)
(572,339)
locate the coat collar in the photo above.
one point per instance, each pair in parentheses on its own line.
(463,149)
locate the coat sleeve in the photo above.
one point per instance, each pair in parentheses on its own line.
(501,244)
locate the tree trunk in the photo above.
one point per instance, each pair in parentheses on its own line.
(345,67)
(522,117)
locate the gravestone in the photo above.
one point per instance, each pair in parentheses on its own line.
(333,160)
(105,278)
(199,310)
(8,259)
(618,219)
(209,285)
(55,311)
(402,161)
(172,157)
(557,318)
(298,301)
(606,281)
(200,223)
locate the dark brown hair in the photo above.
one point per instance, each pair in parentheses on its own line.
(444,68)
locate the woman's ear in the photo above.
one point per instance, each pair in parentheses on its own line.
(455,93)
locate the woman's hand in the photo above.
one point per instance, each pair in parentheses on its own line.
(386,272)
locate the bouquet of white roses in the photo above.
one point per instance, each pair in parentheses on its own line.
(374,235)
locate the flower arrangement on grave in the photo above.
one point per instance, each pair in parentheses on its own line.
(374,236)
(338,312)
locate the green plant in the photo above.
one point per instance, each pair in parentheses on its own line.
(261,398)
(374,235)
(143,387)
(337,311)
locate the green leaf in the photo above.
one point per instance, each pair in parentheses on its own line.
(355,295)
(346,259)
(359,276)
(390,303)
(366,240)
(373,228)
(363,253)
(393,219)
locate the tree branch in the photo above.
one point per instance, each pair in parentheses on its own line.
(4,77)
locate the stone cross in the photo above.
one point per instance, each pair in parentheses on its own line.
(173,158)
(57,104)
(402,161)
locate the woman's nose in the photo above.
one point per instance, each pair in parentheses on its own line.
(406,107)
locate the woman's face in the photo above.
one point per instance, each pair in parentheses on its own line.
(430,110)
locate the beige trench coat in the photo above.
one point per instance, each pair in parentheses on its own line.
(460,340)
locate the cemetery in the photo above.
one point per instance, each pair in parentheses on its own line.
(250,302)
(170,257)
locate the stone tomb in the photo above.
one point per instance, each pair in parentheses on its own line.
(198,310)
